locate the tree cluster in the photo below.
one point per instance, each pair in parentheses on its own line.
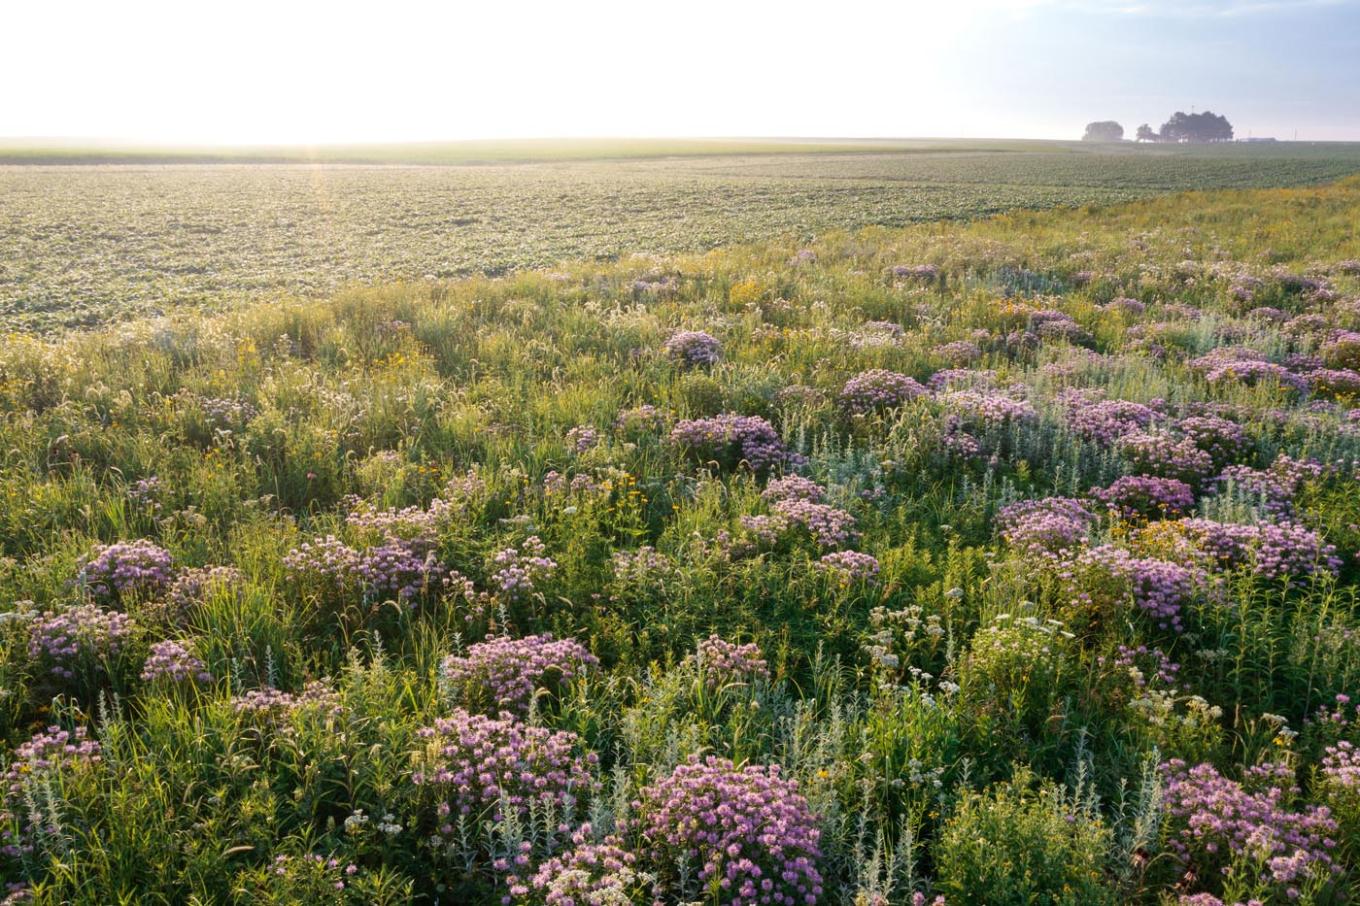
(1189,127)
(1181,127)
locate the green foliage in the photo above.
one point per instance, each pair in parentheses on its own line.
(1014,845)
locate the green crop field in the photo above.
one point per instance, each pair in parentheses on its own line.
(146,231)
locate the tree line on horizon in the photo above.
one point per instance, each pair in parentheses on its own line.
(1181,127)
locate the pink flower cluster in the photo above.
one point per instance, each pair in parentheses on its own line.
(879,389)
(45,754)
(1339,382)
(986,408)
(395,568)
(1047,526)
(412,524)
(1215,818)
(693,347)
(1231,365)
(327,560)
(1161,454)
(959,352)
(1223,440)
(472,762)
(590,872)
(747,830)
(1146,497)
(85,632)
(725,662)
(924,272)
(640,420)
(173,662)
(1105,421)
(126,569)
(1145,664)
(271,704)
(508,671)
(517,570)
(193,584)
(1158,587)
(583,438)
(1279,550)
(850,566)
(1341,765)
(793,487)
(829,526)
(1342,350)
(731,439)
(227,412)
(398,570)
(1127,306)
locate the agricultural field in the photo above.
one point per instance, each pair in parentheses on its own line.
(1000,561)
(82,245)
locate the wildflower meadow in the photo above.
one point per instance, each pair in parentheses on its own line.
(1006,562)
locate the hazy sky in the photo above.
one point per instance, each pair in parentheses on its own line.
(281,71)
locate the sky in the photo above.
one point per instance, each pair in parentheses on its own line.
(252,72)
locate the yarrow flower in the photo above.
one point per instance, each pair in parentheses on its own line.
(746,830)
(505,672)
